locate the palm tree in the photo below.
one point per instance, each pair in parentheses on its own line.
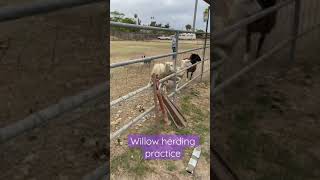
(188,27)
(206,14)
(137,20)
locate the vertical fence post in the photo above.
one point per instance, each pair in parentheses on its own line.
(175,64)
(295,29)
(195,16)
(205,44)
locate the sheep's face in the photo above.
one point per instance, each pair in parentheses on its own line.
(169,66)
(184,62)
(195,58)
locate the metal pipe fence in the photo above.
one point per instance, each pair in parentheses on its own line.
(134,26)
(151,58)
(133,93)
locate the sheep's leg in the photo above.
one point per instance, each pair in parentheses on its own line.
(150,81)
(248,47)
(261,41)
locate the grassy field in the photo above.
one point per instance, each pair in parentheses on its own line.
(125,50)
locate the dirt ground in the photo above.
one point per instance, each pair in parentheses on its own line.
(267,124)
(128,164)
(43,59)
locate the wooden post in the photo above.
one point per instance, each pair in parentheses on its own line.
(162,106)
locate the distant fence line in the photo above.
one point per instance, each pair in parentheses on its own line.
(120,35)
(140,36)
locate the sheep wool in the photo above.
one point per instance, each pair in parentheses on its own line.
(162,70)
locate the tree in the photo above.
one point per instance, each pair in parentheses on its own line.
(199,35)
(137,19)
(116,16)
(120,17)
(128,20)
(188,27)
(153,23)
(206,14)
(167,26)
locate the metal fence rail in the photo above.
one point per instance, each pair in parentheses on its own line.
(151,58)
(134,26)
(50,113)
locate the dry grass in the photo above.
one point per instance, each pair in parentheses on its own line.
(125,50)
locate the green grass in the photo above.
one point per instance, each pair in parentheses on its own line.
(184,172)
(200,119)
(170,166)
(194,92)
(206,156)
(185,105)
(184,131)
(135,165)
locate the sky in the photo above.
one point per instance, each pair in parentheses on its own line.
(178,13)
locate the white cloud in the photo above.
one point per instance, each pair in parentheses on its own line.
(177,13)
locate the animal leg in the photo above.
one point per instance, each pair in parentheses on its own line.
(261,41)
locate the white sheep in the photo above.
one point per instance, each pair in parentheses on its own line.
(162,70)
(184,63)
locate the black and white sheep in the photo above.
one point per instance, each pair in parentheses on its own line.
(194,58)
